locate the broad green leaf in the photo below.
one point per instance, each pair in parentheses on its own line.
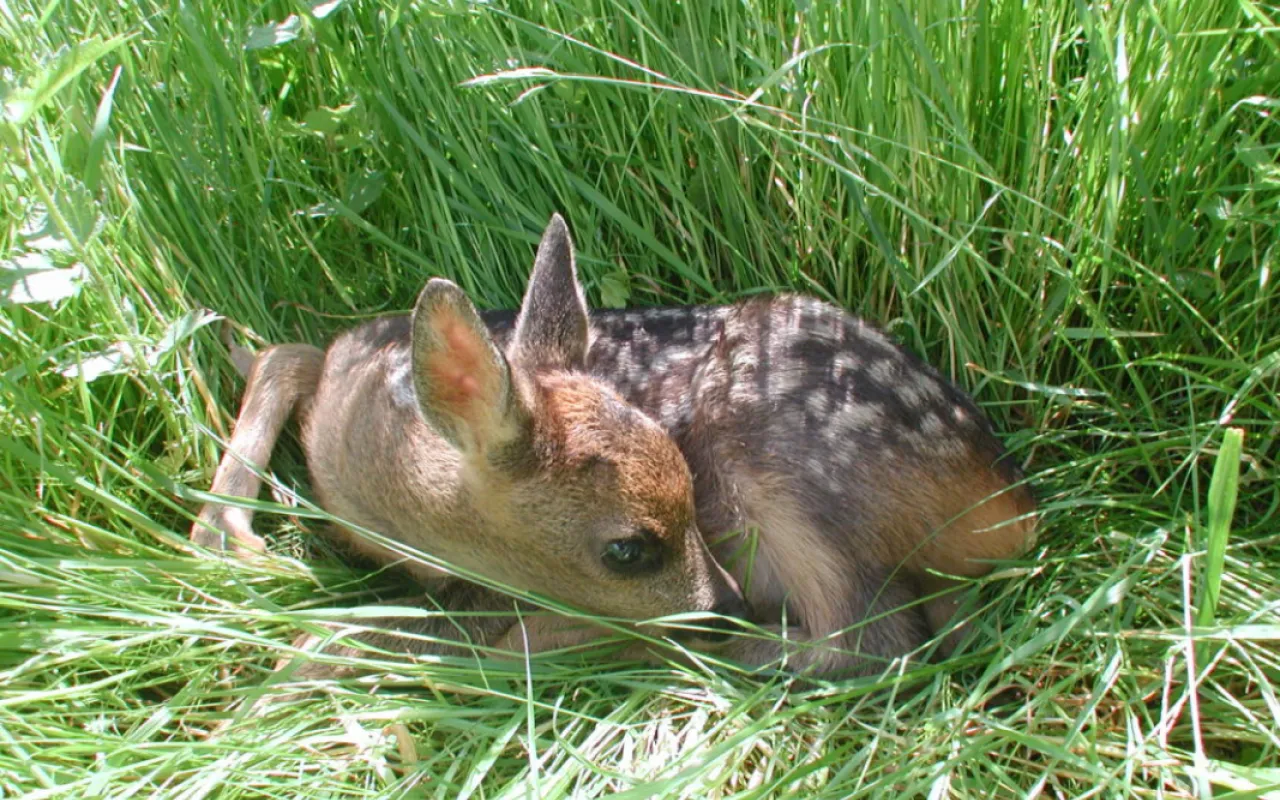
(273,34)
(79,212)
(116,357)
(364,189)
(182,329)
(323,8)
(325,120)
(112,360)
(615,289)
(32,278)
(21,104)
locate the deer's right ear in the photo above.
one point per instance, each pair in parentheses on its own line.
(463,381)
(552,329)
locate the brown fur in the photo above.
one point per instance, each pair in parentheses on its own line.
(864,626)
(518,466)
(525,450)
(637,463)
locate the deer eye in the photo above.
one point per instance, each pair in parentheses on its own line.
(634,554)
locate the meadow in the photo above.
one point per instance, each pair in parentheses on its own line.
(1071,209)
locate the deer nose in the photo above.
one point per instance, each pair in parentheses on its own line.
(719,628)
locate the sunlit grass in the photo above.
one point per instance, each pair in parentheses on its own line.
(1070,209)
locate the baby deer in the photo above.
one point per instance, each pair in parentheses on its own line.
(592,457)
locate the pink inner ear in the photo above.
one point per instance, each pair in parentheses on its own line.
(462,373)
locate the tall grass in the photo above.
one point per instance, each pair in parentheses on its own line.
(1071,209)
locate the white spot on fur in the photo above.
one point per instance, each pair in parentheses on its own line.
(816,404)
(783,381)
(624,365)
(881,371)
(743,390)
(856,417)
(931,436)
(917,391)
(931,425)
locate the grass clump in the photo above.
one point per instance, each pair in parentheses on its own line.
(1072,209)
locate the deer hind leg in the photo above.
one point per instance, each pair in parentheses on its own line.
(280,378)
(964,539)
(876,630)
(848,614)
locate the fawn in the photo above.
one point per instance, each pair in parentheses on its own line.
(776,460)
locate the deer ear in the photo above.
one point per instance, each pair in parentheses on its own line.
(461,378)
(552,329)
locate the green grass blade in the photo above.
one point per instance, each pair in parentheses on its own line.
(1223,489)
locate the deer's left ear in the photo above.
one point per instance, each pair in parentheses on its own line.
(552,331)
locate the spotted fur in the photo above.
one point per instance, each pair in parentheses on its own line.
(838,479)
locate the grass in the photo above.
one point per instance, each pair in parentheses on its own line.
(1071,208)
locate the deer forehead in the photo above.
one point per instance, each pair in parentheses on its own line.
(608,441)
